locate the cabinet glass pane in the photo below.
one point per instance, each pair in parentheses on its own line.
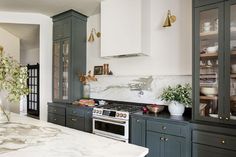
(65,69)
(233,62)
(56,69)
(209,70)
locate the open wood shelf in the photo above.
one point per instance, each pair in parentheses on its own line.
(208,97)
(208,55)
(233,53)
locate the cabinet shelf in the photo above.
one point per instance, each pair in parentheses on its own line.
(209,55)
(233,75)
(233,53)
(208,97)
(213,34)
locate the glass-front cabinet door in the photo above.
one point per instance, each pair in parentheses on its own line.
(56,69)
(65,69)
(208,64)
(230,61)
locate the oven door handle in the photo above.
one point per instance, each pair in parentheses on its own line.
(109,120)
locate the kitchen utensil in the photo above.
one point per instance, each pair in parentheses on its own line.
(155,108)
(209,91)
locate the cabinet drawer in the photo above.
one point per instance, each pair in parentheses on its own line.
(75,122)
(172,129)
(75,111)
(56,119)
(208,151)
(56,110)
(216,140)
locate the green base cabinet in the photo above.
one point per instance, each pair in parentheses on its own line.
(208,151)
(79,118)
(57,114)
(138,131)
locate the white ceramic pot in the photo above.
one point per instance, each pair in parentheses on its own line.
(176,108)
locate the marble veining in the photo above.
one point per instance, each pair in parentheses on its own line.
(15,136)
(141,89)
(27,137)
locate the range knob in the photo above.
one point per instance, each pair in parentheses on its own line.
(117,114)
(124,115)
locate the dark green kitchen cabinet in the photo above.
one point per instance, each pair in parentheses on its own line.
(162,145)
(198,3)
(138,131)
(167,139)
(79,118)
(69,55)
(214,62)
(57,114)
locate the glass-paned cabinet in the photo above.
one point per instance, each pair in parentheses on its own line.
(69,55)
(214,58)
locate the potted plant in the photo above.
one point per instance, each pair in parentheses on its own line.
(13,83)
(178,97)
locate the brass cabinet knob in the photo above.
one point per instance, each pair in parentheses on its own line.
(163,127)
(55,110)
(74,120)
(162,138)
(55,119)
(226,118)
(220,118)
(137,121)
(223,142)
(166,139)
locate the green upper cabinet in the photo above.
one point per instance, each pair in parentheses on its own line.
(214,78)
(69,55)
(198,3)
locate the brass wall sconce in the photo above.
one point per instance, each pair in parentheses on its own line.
(91,36)
(169,19)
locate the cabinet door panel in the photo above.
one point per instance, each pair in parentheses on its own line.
(209,63)
(75,122)
(155,143)
(56,69)
(207,151)
(198,3)
(230,61)
(138,131)
(175,146)
(88,121)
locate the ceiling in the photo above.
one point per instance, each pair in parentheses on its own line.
(28,34)
(51,7)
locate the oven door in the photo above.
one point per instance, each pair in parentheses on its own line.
(111,128)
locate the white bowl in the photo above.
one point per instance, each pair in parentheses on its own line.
(212,49)
(206,24)
(207,29)
(209,91)
(233,67)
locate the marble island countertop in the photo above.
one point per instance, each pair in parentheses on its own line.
(27,137)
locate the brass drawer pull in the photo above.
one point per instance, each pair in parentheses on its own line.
(223,142)
(162,138)
(163,127)
(74,120)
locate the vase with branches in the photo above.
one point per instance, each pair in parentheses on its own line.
(13,81)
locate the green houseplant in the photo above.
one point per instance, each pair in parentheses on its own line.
(178,96)
(13,82)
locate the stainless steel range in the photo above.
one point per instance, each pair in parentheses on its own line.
(112,121)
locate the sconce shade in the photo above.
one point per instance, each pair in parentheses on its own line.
(91,37)
(1,49)
(169,19)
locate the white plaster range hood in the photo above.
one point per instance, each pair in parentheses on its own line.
(125,27)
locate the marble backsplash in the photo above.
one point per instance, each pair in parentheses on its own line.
(139,89)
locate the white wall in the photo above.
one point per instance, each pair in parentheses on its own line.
(45,58)
(10,43)
(171,48)
(29,56)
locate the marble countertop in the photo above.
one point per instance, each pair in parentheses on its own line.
(27,137)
